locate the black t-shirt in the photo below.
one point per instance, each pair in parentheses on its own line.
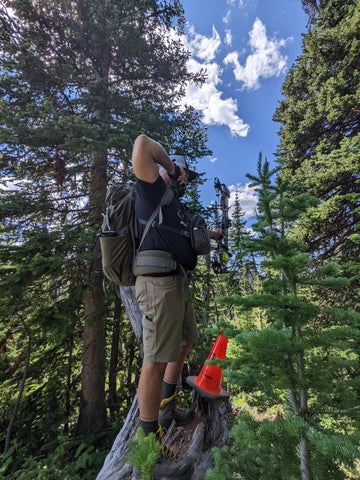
(147,198)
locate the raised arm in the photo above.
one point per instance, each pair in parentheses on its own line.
(146,156)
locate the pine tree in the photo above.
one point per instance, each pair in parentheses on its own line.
(79,81)
(319,133)
(302,361)
(241,263)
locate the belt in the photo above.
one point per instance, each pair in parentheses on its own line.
(165,274)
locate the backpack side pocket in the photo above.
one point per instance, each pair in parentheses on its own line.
(116,258)
(200,239)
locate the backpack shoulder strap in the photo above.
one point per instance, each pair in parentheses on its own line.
(166,199)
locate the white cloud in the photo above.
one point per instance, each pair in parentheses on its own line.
(265,61)
(234,3)
(207,97)
(204,47)
(213,71)
(248,199)
(226,19)
(213,160)
(228,37)
(216,110)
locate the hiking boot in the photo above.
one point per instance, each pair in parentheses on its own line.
(169,412)
(169,465)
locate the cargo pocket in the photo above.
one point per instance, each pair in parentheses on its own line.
(143,298)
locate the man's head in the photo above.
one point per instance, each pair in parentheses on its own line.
(181,163)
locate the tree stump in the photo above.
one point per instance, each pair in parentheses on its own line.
(210,427)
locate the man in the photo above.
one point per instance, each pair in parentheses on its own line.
(169,326)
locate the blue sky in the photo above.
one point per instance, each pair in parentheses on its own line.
(247,47)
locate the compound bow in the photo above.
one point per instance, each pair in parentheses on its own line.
(221,255)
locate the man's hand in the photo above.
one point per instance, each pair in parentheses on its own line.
(179,174)
(184,177)
(216,234)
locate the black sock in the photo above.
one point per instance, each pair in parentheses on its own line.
(168,389)
(149,426)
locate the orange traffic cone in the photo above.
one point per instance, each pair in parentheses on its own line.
(208,382)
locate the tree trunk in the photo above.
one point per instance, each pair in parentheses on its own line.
(129,377)
(304,460)
(205,293)
(68,383)
(114,358)
(92,409)
(133,312)
(209,428)
(303,403)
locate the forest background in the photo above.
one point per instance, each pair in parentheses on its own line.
(79,80)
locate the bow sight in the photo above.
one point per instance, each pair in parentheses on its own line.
(221,254)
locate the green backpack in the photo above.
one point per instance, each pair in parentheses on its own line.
(119,240)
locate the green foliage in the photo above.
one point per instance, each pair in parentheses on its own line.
(77,87)
(304,357)
(65,462)
(254,452)
(143,453)
(271,445)
(319,134)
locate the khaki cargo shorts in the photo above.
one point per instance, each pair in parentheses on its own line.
(168,316)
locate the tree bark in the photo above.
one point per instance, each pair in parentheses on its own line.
(68,383)
(210,427)
(205,293)
(92,409)
(304,460)
(114,358)
(133,312)
(303,403)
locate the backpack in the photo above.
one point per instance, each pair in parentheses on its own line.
(119,241)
